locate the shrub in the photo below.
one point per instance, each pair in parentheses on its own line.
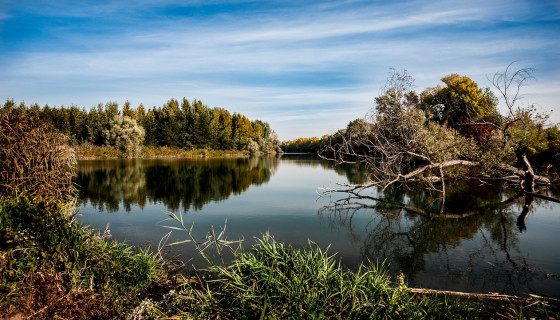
(125,134)
(57,269)
(253,147)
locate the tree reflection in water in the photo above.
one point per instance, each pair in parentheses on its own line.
(189,184)
(470,242)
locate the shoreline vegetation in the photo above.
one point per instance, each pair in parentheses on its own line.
(52,267)
(91,152)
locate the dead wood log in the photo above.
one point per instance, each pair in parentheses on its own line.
(480,296)
(521,174)
(528,178)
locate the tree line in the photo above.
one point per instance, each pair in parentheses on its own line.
(304,145)
(186,125)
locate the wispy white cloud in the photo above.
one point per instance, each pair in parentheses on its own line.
(318,64)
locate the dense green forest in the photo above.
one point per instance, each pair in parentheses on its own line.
(186,125)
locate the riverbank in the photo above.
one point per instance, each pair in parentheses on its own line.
(51,267)
(91,152)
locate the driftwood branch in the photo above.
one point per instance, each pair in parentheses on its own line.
(480,296)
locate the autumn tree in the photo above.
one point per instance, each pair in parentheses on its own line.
(223,127)
(241,130)
(127,110)
(310,145)
(462,105)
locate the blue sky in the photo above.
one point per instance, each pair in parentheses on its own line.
(306,67)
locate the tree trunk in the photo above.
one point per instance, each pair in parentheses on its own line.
(522,219)
(528,183)
(528,177)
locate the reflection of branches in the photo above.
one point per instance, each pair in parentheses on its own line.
(508,272)
(347,204)
(405,234)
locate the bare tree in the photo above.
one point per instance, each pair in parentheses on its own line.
(509,84)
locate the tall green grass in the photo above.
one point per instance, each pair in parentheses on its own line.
(52,268)
(275,281)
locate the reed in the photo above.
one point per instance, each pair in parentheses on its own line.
(276,281)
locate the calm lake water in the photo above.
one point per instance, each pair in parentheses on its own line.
(485,239)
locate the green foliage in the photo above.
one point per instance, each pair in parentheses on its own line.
(440,143)
(204,133)
(277,281)
(125,135)
(34,160)
(38,239)
(528,132)
(553,140)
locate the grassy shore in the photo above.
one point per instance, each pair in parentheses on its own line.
(51,267)
(88,151)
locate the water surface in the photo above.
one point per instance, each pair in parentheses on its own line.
(483,240)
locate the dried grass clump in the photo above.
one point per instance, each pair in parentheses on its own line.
(35,161)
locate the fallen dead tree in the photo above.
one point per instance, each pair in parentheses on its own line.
(443,133)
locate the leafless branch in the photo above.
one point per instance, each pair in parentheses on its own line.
(509,84)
